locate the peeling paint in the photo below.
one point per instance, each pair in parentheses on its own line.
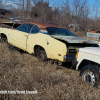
(74,39)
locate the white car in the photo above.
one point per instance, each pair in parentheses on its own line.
(88,63)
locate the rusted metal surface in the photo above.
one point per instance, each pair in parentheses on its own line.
(12,24)
(74,39)
(43,25)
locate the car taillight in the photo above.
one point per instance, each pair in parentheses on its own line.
(76,55)
(59,54)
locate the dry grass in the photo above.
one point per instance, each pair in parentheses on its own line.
(24,72)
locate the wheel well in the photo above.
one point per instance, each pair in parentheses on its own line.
(38,48)
(3,36)
(86,62)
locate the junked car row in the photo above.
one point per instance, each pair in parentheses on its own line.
(46,41)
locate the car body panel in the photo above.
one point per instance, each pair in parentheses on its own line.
(54,47)
(74,39)
(27,42)
(88,53)
(43,25)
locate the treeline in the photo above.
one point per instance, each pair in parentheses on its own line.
(76,12)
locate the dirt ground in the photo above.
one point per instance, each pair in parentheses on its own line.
(22,71)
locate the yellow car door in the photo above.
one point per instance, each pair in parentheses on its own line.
(22,35)
(33,38)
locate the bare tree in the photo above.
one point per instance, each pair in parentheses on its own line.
(72,11)
(80,9)
(42,11)
(23,8)
(65,14)
(22,5)
(28,9)
(1,5)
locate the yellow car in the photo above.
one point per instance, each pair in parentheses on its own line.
(46,41)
